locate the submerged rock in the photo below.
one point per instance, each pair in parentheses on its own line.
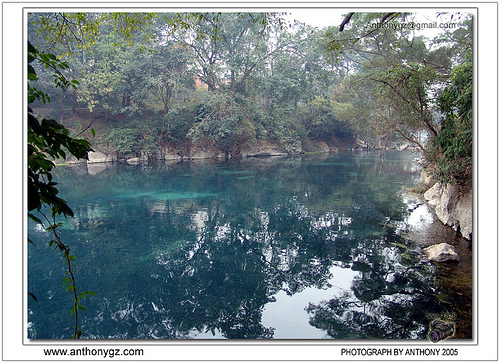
(441,253)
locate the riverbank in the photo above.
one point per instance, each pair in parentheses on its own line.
(446,216)
(452,205)
(260,148)
(454,280)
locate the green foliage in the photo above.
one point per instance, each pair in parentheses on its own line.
(325,118)
(178,122)
(46,61)
(167,75)
(84,29)
(136,137)
(452,147)
(48,140)
(285,131)
(395,75)
(265,81)
(231,52)
(222,122)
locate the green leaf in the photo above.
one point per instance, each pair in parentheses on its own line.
(31,73)
(32,296)
(34,218)
(33,243)
(84,294)
(65,280)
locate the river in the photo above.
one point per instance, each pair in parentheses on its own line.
(311,247)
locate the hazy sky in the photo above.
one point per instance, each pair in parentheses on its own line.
(319,17)
(327,17)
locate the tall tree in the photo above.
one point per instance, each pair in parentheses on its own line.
(168,73)
(405,70)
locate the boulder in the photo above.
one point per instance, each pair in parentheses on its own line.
(264,151)
(172,156)
(433,195)
(98,157)
(451,207)
(322,147)
(445,209)
(133,161)
(441,253)
(464,215)
(427,178)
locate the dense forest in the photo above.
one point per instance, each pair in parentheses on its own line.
(161,85)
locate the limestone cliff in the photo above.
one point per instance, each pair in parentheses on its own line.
(452,207)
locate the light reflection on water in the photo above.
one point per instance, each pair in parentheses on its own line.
(288,312)
(300,248)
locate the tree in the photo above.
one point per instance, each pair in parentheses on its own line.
(452,147)
(227,47)
(168,73)
(326,118)
(223,124)
(404,70)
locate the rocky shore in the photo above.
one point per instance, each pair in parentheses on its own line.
(447,242)
(452,206)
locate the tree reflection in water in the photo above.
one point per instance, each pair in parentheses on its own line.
(389,299)
(200,251)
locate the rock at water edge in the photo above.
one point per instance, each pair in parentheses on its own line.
(433,195)
(441,253)
(97,157)
(133,161)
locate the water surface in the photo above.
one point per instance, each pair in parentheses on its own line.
(287,248)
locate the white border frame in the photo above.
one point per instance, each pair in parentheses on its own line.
(16,346)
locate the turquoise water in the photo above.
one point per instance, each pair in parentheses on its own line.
(285,248)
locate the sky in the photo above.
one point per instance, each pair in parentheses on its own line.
(319,17)
(322,17)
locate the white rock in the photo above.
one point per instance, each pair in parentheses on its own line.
(97,157)
(427,178)
(445,209)
(451,208)
(433,195)
(133,161)
(464,215)
(441,253)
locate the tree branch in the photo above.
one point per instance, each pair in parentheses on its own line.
(412,140)
(345,21)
